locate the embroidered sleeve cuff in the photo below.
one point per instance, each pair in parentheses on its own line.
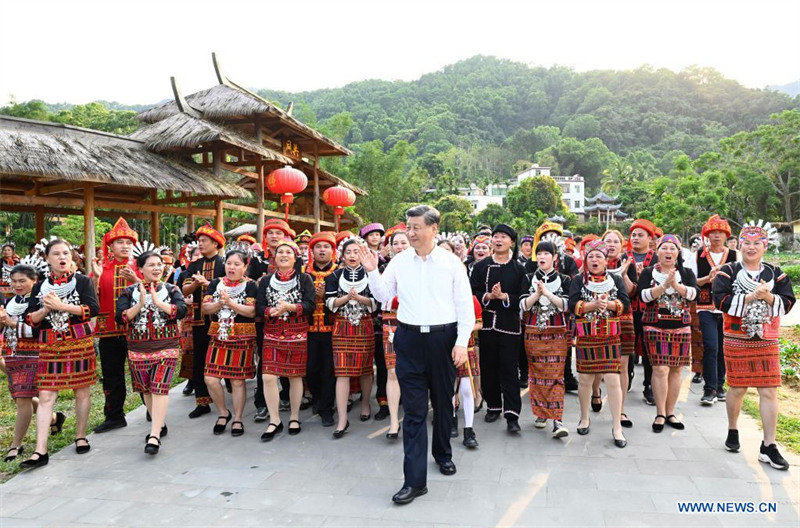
(506,303)
(329,304)
(29,322)
(691,293)
(579,308)
(737,305)
(86,313)
(619,306)
(485,301)
(647,295)
(173,311)
(208,299)
(778,308)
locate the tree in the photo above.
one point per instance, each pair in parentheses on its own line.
(456,214)
(71,230)
(493,215)
(588,158)
(536,195)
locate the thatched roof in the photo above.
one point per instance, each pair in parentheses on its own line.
(181,131)
(229,102)
(64,152)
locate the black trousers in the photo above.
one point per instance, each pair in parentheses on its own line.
(425,370)
(319,375)
(500,372)
(382,373)
(522,360)
(200,338)
(113,353)
(638,330)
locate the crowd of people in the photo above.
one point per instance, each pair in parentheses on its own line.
(319,319)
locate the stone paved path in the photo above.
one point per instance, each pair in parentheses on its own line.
(311,480)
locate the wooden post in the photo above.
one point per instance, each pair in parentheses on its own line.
(39,214)
(154,221)
(219,219)
(316,190)
(88,224)
(260,204)
(189,224)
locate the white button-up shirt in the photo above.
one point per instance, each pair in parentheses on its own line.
(430,291)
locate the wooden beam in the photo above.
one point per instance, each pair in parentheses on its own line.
(154,221)
(103,204)
(63,187)
(237,207)
(316,190)
(260,199)
(39,215)
(189,224)
(188,198)
(72,211)
(88,224)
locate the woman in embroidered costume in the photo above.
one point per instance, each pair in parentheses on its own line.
(150,310)
(347,295)
(543,306)
(286,300)
(478,250)
(231,303)
(397,241)
(9,260)
(753,295)
(598,298)
(60,310)
(618,263)
(667,288)
(21,352)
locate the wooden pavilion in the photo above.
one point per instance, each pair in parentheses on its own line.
(213,147)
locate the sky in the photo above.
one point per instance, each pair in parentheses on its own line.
(79,51)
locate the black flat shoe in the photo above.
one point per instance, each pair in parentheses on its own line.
(294,430)
(394,436)
(340,432)
(408,494)
(199,411)
(81,449)
(266,436)
(677,424)
(382,414)
(619,442)
(152,449)
(164,431)
(470,442)
(366,417)
(447,467)
(188,389)
(9,457)
(110,425)
(219,428)
(597,402)
(56,427)
(491,416)
(626,422)
(584,430)
(656,426)
(305,403)
(237,431)
(32,463)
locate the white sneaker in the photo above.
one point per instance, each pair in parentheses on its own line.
(540,423)
(559,431)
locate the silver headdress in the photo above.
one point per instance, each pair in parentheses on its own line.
(37,263)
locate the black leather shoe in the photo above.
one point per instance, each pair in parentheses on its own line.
(394,436)
(237,431)
(570,384)
(626,422)
(584,430)
(447,467)
(219,428)
(732,442)
(189,388)
(408,494)
(17,452)
(327,420)
(294,430)
(491,416)
(110,425)
(619,442)
(597,402)
(513,426)
(454,427)
(340,432)
(164,431)
(675,423)
(56,427)
(266,436)
(151,449)
(32,463)
(647,395)
(200,410)
(658,427)
(470,441)
(81,449)
(382,414)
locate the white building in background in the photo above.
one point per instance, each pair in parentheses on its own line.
(572,190)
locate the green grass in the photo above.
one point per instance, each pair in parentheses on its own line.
(788,432)
(65,404)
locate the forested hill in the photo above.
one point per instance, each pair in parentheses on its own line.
(486,100)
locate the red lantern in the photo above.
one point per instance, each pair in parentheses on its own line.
(338,197)
(287,181)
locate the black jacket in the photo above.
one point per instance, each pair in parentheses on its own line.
(498,315)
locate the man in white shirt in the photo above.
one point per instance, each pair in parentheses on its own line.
(435,318)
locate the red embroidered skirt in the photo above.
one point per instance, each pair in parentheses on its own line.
(67,364)
(752,362)
(187,344)
(473,359)
(598,355)
(668,348)
(627,336)
(547,352)
(285,350)
(21,368)
(231,358)
(152,371)
(353,347)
